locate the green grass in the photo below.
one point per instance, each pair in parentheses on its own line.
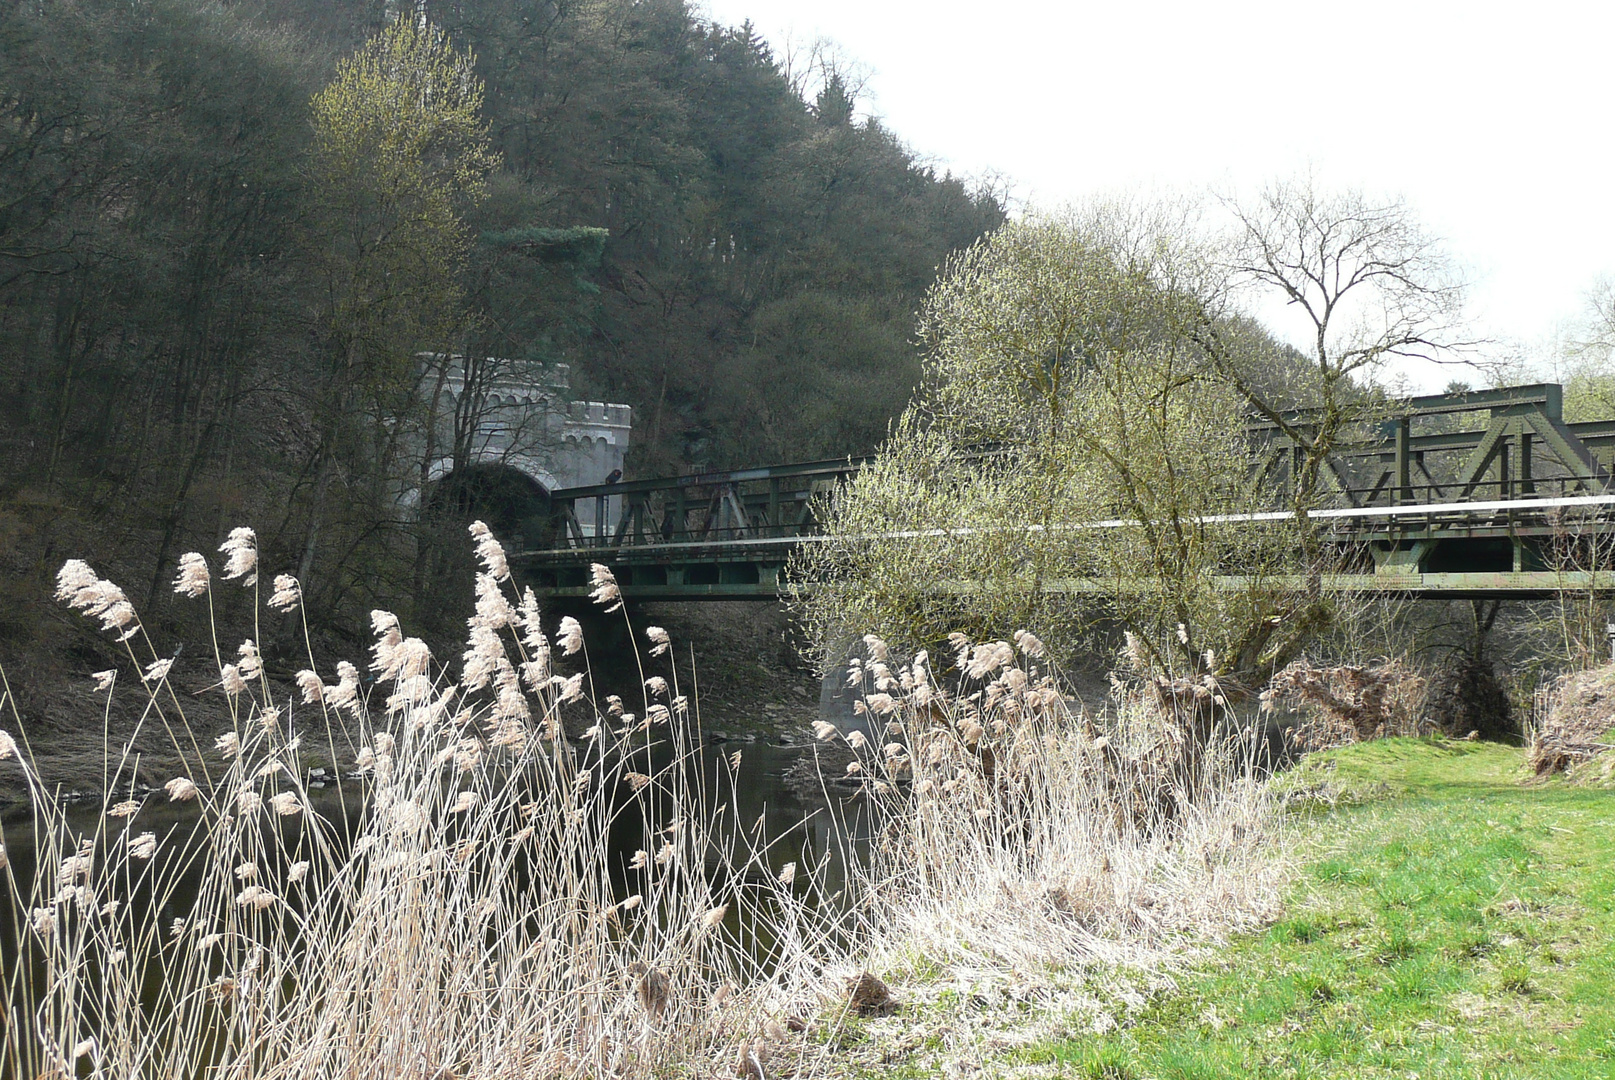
(1448,922)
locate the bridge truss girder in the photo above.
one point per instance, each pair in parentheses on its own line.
(1466,509)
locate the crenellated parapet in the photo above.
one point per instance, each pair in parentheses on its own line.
(594,442)
(496,414)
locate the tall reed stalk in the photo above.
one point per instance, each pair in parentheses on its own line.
(464,912)
(1019,834)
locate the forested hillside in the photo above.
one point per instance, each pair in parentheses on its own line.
(198,298)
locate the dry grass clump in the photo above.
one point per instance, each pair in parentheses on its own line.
(462,914)
(1347,703)
(1572,721)
(1016,835)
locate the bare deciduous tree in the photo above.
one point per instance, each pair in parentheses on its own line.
(1375,288)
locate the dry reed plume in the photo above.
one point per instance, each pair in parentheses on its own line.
(1016,835)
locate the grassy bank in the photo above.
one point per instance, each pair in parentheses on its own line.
(1447,920)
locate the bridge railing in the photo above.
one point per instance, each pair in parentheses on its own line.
(1428,449)
(1411,454)
(770,503)
(1511,490)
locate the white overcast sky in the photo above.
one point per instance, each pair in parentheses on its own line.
(1493,121)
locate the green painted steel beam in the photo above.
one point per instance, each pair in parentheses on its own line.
(1528,584)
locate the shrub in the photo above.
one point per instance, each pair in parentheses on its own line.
(1347,703)
(1571,720)
(1468,697)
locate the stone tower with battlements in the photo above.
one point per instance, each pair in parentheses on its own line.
(503,415)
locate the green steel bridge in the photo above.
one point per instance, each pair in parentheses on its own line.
(1481,494)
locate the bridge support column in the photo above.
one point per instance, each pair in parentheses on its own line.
(1399,560)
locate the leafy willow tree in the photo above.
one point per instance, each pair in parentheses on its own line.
(1079,446)
(1068,463)
(400,150)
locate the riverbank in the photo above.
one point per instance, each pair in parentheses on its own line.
(746,663)
(1446,917)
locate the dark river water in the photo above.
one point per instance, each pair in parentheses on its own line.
(801,825)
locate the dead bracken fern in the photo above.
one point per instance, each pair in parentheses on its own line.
(1572,720)
(1347,703)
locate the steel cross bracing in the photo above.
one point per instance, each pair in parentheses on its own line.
(1485,493)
